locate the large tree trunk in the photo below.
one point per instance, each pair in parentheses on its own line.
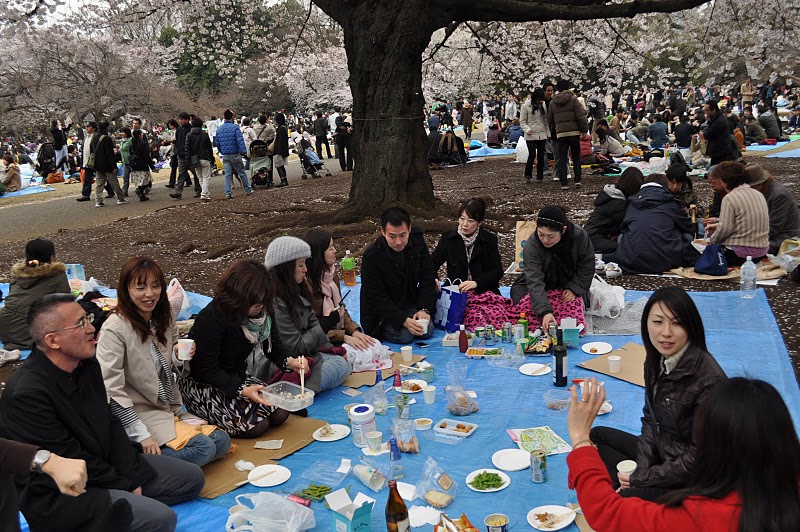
(384,41)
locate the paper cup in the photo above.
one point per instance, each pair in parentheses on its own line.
(424,324)
(429,392)
(614,363)
(496,523)
(371,478)
(185,349)
(374,441)
(626,466)
(407,354)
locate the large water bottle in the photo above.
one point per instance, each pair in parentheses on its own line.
(748,282)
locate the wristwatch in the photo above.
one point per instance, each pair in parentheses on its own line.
(41,458)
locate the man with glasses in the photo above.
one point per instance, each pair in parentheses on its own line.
(57,401)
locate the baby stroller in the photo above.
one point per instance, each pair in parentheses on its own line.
(309,160)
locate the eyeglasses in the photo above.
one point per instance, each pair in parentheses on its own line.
(85,322)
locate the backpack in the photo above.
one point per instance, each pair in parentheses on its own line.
(447,148)
(259,148)
(676,158)
(45,159)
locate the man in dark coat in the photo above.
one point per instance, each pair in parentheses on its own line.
(398,282)
(57,401)
(567,118)
(321,127)
(105,165)
(718,134)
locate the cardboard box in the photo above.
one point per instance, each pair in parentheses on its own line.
(350,516)
(367,378)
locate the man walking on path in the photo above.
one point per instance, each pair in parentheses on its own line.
(230,142)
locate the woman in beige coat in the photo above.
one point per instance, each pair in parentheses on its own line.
(533,119)
(136,349)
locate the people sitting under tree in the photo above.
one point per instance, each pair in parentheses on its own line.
(605,220)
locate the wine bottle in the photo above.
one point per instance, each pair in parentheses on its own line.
(396,511)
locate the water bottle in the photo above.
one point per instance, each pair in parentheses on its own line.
(349,269)
(748,282)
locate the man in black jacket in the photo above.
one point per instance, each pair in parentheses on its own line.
(105,165)
(321,127)
(57,401)
(183,159)
(398,279)
(718,134)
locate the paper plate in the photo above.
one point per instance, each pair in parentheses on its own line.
(601,347)
(511,459)
(550,509)
(419,382)
(280,475)
(339,432)
(532,369)
(505,478)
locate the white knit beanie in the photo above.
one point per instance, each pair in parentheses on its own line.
(286,249)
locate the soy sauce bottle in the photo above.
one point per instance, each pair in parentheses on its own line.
(560,370)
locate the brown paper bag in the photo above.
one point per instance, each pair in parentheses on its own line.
(525,229)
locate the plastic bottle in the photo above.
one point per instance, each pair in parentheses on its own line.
(523,320)
(748,282)
(363,419)
(379,400)
(463,342)
(396,511)
(349,269)
(560,369)
(398,471)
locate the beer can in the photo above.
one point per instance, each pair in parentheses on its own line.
(490,337)
(538,466)
(508,333)
(519,331)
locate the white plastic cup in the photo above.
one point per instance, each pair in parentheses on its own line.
(626,466)
(375,440)
(424,324)
(408,356)
(614,363)
(429,392)
(185,349)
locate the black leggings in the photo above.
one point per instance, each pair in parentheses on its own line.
(615,446)
(537,148)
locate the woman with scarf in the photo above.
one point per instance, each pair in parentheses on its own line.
(299,332)
(137,352)
(470,251)
(326,297)
(233,334)
(558,268)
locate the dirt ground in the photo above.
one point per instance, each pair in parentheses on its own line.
(196,242)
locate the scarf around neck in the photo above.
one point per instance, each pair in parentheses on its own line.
(332,296)
(256,330)
(469,245)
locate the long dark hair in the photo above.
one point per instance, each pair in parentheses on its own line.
(243,284)
(38,251)
(685,312)
(746,442)
(287,289)
(139,270)
(319,240)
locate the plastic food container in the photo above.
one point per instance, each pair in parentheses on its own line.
(451,427)
(557,399)
(286,395)
(423,423)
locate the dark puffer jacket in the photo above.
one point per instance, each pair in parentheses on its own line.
(567,116)
(653,232)
(604,222)
(29,284)
(718,136)
(665,450)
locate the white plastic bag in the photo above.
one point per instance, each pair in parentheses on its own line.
(267,511)
(522,150)
(373,358)
(658,165)
(178,300)
(605,300)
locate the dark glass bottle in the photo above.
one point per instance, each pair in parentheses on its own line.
(396,511)
(560,370)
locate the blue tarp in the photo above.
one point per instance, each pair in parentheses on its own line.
(742,334)
(789,154)
(27,191)
(766,147)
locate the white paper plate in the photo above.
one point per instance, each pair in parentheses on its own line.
(532,369)
(511,459)
(280,475)
(551,509)
(506,480)
(339,432)
(602,348)
(407,491)
(419,382)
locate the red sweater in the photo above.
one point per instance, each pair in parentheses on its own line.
(605,510)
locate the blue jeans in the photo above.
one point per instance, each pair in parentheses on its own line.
(232,162)
(202,449)
(126,177)
(403,335)
(334,371)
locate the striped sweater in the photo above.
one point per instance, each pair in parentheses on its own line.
(743,219)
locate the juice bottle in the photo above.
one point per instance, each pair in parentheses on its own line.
(349,269)
(523,320)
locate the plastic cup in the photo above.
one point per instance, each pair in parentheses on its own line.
(614,363)
(424,324)
(626,466)
(407,354)
(429,392)
(185,349)
(375,440)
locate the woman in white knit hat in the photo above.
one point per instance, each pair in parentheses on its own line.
(299,331)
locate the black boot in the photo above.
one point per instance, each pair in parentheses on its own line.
(284,183)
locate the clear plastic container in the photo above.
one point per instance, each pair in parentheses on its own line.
(450,427)
(557,399)
(287,395)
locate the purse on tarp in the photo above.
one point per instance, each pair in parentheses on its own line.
(712,261)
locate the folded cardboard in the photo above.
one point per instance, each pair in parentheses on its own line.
(222,475)
(524,230)
(367,378)
(350,516)
(631,365)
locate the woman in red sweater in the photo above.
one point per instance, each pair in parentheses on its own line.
(745,477)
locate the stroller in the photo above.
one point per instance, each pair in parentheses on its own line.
(309,160)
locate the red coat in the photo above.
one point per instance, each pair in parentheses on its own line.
(605,510)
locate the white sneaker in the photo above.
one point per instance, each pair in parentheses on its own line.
(613,270)
(122,201)
(599,265)
(8,356)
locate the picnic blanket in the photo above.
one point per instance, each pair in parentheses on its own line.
(789,154)
(767,147)
(36,189)
(746,342)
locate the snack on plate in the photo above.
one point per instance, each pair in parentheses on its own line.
(314,492)
(476,351)
(462,524)
(539,345)
(326,431)
(542,518)
(487,481)
(437,499)
(411,387)
(593,350)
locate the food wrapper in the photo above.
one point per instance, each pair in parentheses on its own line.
(459,403)
(462,524)
(405,431)
(539,346)
(270,445)
(435,486)
(370,477)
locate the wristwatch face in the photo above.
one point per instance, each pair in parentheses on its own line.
(40,459)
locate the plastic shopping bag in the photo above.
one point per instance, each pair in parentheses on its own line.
(450,306)
(178,300)
(605,300)
(267,511)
